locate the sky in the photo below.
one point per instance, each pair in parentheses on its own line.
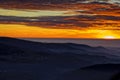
(92,19)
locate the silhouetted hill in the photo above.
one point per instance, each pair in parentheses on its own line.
(22,50)
(95,72)
(25,60)
(104,67)
(46,47)
(35,46)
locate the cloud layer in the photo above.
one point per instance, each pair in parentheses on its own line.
(79,15)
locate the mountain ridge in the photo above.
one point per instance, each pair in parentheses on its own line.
(24,60)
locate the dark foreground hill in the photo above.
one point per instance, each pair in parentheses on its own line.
(104,67)
(95,72)
(26,60)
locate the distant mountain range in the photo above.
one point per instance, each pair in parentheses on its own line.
(23,48)
(55,61)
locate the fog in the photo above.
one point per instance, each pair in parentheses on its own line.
(91,42)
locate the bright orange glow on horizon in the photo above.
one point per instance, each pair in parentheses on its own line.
(78,20)
(109,37)
(23,31)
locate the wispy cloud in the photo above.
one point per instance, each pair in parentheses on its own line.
(85,16)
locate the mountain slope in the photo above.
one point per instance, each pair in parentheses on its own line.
(55,51)
(25,60)
(95,72)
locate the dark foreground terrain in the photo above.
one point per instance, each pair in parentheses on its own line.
(26,60)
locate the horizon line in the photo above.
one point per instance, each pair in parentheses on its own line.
(59,38)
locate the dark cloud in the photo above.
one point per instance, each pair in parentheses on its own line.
(59,1)
(71,22)
(40,1)
(87,13)
(51,4)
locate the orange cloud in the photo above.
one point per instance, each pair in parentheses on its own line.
(91,20)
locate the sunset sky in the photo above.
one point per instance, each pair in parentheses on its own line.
(60,18)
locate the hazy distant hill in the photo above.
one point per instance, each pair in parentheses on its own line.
(33,50)
(26,60)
